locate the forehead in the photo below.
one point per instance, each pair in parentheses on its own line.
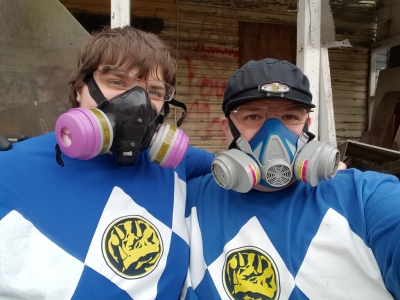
(269,103)
(156,72)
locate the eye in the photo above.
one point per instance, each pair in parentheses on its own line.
(254,117)
(156,90)
(290,117)
(118,78)
(155,93)
(118,82)
(115,83)
(251,117)
(293,114)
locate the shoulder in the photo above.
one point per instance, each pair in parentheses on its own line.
(365,188)
(201,185)
(32,144)
(197,156)
(29,148)
(196,162)
(203,180)
(205,189)
(197,152)
(367,179)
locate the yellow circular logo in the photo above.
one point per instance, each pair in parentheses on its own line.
(132,246)
(250,273)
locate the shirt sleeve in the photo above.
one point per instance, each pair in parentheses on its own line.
(382,215)
(197,162)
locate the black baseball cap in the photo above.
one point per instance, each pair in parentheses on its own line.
(266,79)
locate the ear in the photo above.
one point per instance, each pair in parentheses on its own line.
(224,122)
(309,121)
(79,95)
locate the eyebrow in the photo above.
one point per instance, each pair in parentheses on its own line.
(158,87)
(118,74)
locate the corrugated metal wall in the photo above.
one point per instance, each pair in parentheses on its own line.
(204,38)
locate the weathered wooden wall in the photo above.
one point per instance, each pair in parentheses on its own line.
(350,73)
(204,38)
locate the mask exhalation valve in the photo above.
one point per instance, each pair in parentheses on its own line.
(278,175)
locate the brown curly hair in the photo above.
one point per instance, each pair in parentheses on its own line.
(128,47)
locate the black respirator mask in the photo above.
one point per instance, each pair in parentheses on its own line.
(125,125)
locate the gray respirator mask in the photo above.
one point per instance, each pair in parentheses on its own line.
(273,158)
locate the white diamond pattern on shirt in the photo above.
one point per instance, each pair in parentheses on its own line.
(338,264)
(252,235)
(121,204)
(29,273)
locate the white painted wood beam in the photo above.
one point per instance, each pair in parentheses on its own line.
(327,127)
(120,13)
(309,51)
(371,87)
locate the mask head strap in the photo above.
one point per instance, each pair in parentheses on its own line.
(94,90)
(311,136)
(235,133)
(178,104)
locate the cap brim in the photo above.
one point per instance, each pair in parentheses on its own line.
(237,102)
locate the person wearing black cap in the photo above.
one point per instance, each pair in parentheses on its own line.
(275,220)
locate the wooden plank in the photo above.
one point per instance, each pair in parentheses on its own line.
(357,126)
(216,72)
(369,25)
(276,12)
(346,66)
(360,74)
(350,110)
(358,97)
(191,36)
(349,118)
(348,133)
(230,65)
(350,103)
(356,50)
(381,121)
(343,56)
(344,85)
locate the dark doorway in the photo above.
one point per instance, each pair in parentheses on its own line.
(260,40)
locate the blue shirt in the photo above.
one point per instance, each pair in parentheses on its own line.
(339,240)
(92,229)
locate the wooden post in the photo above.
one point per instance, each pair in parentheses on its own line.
(309,50)
(327,128)
(120,13)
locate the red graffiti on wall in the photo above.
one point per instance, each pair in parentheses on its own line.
(191,72)
(210,87)
(196,106)
(215,50)
(201,111)
(214,123)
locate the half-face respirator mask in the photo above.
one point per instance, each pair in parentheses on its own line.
(126,125)
(273,158)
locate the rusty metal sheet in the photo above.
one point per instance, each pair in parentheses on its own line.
(39,49)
